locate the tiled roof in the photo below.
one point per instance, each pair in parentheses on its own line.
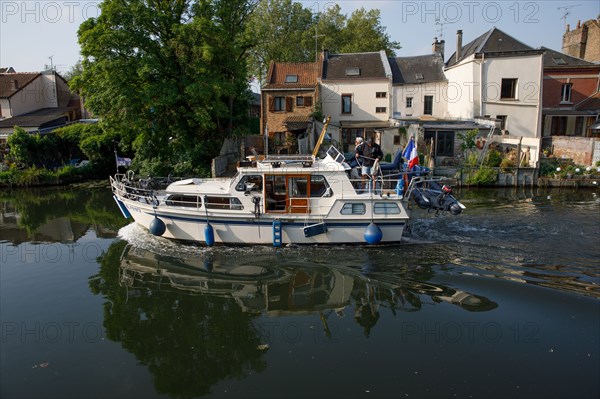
(369,66)
(306,73)
(556,59)
(591,103)
(7,82)
(40,118)
(418,69)
(492,41)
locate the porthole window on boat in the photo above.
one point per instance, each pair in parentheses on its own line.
(251,183)
(223,203)
(353,209)
(386,208)
(188,201)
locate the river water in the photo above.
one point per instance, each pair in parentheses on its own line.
(501,301)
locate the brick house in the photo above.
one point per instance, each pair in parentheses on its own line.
(288,101)
(583,41)
(568,83)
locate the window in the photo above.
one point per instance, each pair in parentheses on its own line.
(409,102)
(348,137)
(396,140)
(508,89)
(319,186)
(223,203)
(188,201)
(419,76)
(558,126)
(428,109)
(352,71)
(298,187)
(291,78)
(386,208)
(502,119)
(381,94)
(299,101)
(353,209)
(565,95)
(443,142)
(580,126)
(346,103)
(380,109)
(279,104)
(250,183)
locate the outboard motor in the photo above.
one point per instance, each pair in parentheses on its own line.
(437,198)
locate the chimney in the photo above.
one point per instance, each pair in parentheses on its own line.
(438,46)
(13,84)
(458,44)
(568,27)
(578,24)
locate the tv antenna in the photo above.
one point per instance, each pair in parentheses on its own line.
(440,31)
(567,11)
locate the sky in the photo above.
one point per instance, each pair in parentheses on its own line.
(35,34)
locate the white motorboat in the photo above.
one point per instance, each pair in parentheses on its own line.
(279,200)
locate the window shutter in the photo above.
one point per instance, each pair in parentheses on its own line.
(288,104)
(307,101)
(271,104)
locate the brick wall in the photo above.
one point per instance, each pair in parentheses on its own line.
(584,83)
(579,149)
(276,120)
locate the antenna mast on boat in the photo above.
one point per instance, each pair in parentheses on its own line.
(321,137)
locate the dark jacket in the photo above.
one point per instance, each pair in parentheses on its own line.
(370,153)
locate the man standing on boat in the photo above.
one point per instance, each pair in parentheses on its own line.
(371,153)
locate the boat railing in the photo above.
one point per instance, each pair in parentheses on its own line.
(137,190)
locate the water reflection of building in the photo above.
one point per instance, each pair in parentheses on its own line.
(61,229)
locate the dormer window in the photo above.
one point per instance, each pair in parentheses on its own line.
(419,76)
(559,61)
(291,78)
(352,71)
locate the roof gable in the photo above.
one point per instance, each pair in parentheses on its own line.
(297,75)
(418,69)
(354,66)
(12,83)
(492,41)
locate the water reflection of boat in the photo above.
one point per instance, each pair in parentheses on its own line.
(291,287)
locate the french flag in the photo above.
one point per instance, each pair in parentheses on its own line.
(410,154)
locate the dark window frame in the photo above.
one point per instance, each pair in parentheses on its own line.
(508,89)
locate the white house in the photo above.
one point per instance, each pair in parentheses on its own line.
(419,87)
(35,101)
(355,92)
(496,76)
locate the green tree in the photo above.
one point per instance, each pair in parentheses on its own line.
(281,31)
(285,31)
(23,147)
(363,32)
(167,77)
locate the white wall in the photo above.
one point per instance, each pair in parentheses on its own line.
(364,101)
(38,94)
(464,88)
(5,108)
(524,112)
(418,92)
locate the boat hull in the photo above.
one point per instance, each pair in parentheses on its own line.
(248,229)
